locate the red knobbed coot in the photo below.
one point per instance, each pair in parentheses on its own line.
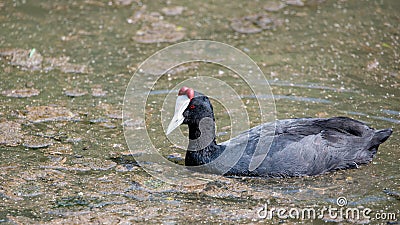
(292,147)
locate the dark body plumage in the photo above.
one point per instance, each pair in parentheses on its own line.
(307,146)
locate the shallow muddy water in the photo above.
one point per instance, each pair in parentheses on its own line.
(65,65)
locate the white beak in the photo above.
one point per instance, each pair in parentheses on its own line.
(181,104)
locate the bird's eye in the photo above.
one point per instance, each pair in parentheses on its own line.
(192,107)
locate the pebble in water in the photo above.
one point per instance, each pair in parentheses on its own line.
(372,65)
(25,59)
(295,2)
(254,23)
(62,63)
(38,114)
(98,91)
(159,32)
(99,120)
(173,11)
(274,6)
(95,163)
(110,111)
(108,125)
(114,114)
(10,133)
(21,93)
(75,93)
(154,29)
(36,143)
(126,168)
(142,15)
(82,165)
(33,144)
(32,60)
(59,149)
(123,2)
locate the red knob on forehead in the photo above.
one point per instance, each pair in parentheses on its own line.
(190,93)
(186,91)
(183,90)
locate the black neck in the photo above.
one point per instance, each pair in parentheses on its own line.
(202,147)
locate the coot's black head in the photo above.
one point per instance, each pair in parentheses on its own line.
(190,108)
(198,108)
